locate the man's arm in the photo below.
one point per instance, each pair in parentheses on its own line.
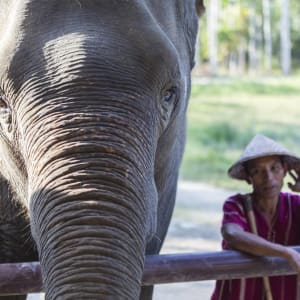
(241,240)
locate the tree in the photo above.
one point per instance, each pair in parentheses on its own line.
(267,35)
(212,33)
(252,51)
(285,41)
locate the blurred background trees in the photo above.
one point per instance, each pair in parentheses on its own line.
(246,81)
(249,37)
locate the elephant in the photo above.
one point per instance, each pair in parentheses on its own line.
(93,100)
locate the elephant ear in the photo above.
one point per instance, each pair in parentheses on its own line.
(200,8)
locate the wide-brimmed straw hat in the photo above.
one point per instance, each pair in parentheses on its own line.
(261,146)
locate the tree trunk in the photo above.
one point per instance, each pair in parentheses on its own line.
(212,31)
(242,57)
(285,38)
(252,37)
(267,35)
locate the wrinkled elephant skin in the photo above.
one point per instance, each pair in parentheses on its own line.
(93,96)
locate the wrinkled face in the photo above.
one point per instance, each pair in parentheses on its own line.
(88,65)
(94,86)
(266,175)
(93,97)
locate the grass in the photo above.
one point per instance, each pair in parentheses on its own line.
(224,115)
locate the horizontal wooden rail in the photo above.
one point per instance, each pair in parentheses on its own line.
(23,278)
(171,268)
(20,278)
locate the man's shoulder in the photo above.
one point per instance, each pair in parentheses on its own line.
(290,197)
(235,200)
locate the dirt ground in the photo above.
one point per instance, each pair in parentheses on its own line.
(194,228)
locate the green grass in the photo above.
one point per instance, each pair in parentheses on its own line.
(223,116)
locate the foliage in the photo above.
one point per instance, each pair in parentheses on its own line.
(233,33)
(223,116)
(233,28)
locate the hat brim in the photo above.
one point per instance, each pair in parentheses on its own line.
(237,171)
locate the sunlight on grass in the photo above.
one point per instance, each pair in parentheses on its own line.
(224,116)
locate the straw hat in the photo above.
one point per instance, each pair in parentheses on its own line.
(261,146)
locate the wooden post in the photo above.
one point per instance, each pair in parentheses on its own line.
(251,217)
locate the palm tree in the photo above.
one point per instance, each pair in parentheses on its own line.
(252,46)
(212,33)
(285,39)
(266,5)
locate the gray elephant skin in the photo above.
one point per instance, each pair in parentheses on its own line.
(93,96)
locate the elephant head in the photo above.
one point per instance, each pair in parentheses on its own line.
(93,101)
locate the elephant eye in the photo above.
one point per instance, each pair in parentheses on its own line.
(5,114)
(3,104)
(170,95)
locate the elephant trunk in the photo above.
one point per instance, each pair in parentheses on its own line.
(92,208)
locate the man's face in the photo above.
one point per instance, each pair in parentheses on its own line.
(266,175)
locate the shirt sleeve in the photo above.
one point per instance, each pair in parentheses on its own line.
(233,212)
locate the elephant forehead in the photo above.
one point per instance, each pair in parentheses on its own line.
(126,39)
(64,56)
(10,23)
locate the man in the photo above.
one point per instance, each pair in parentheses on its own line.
(263,165)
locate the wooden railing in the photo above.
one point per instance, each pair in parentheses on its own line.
(23,278)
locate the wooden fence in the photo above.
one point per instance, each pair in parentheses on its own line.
(23,278)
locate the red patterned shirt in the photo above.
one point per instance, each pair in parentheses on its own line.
(285,230)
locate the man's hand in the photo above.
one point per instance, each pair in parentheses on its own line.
(293,258)
(295,174)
